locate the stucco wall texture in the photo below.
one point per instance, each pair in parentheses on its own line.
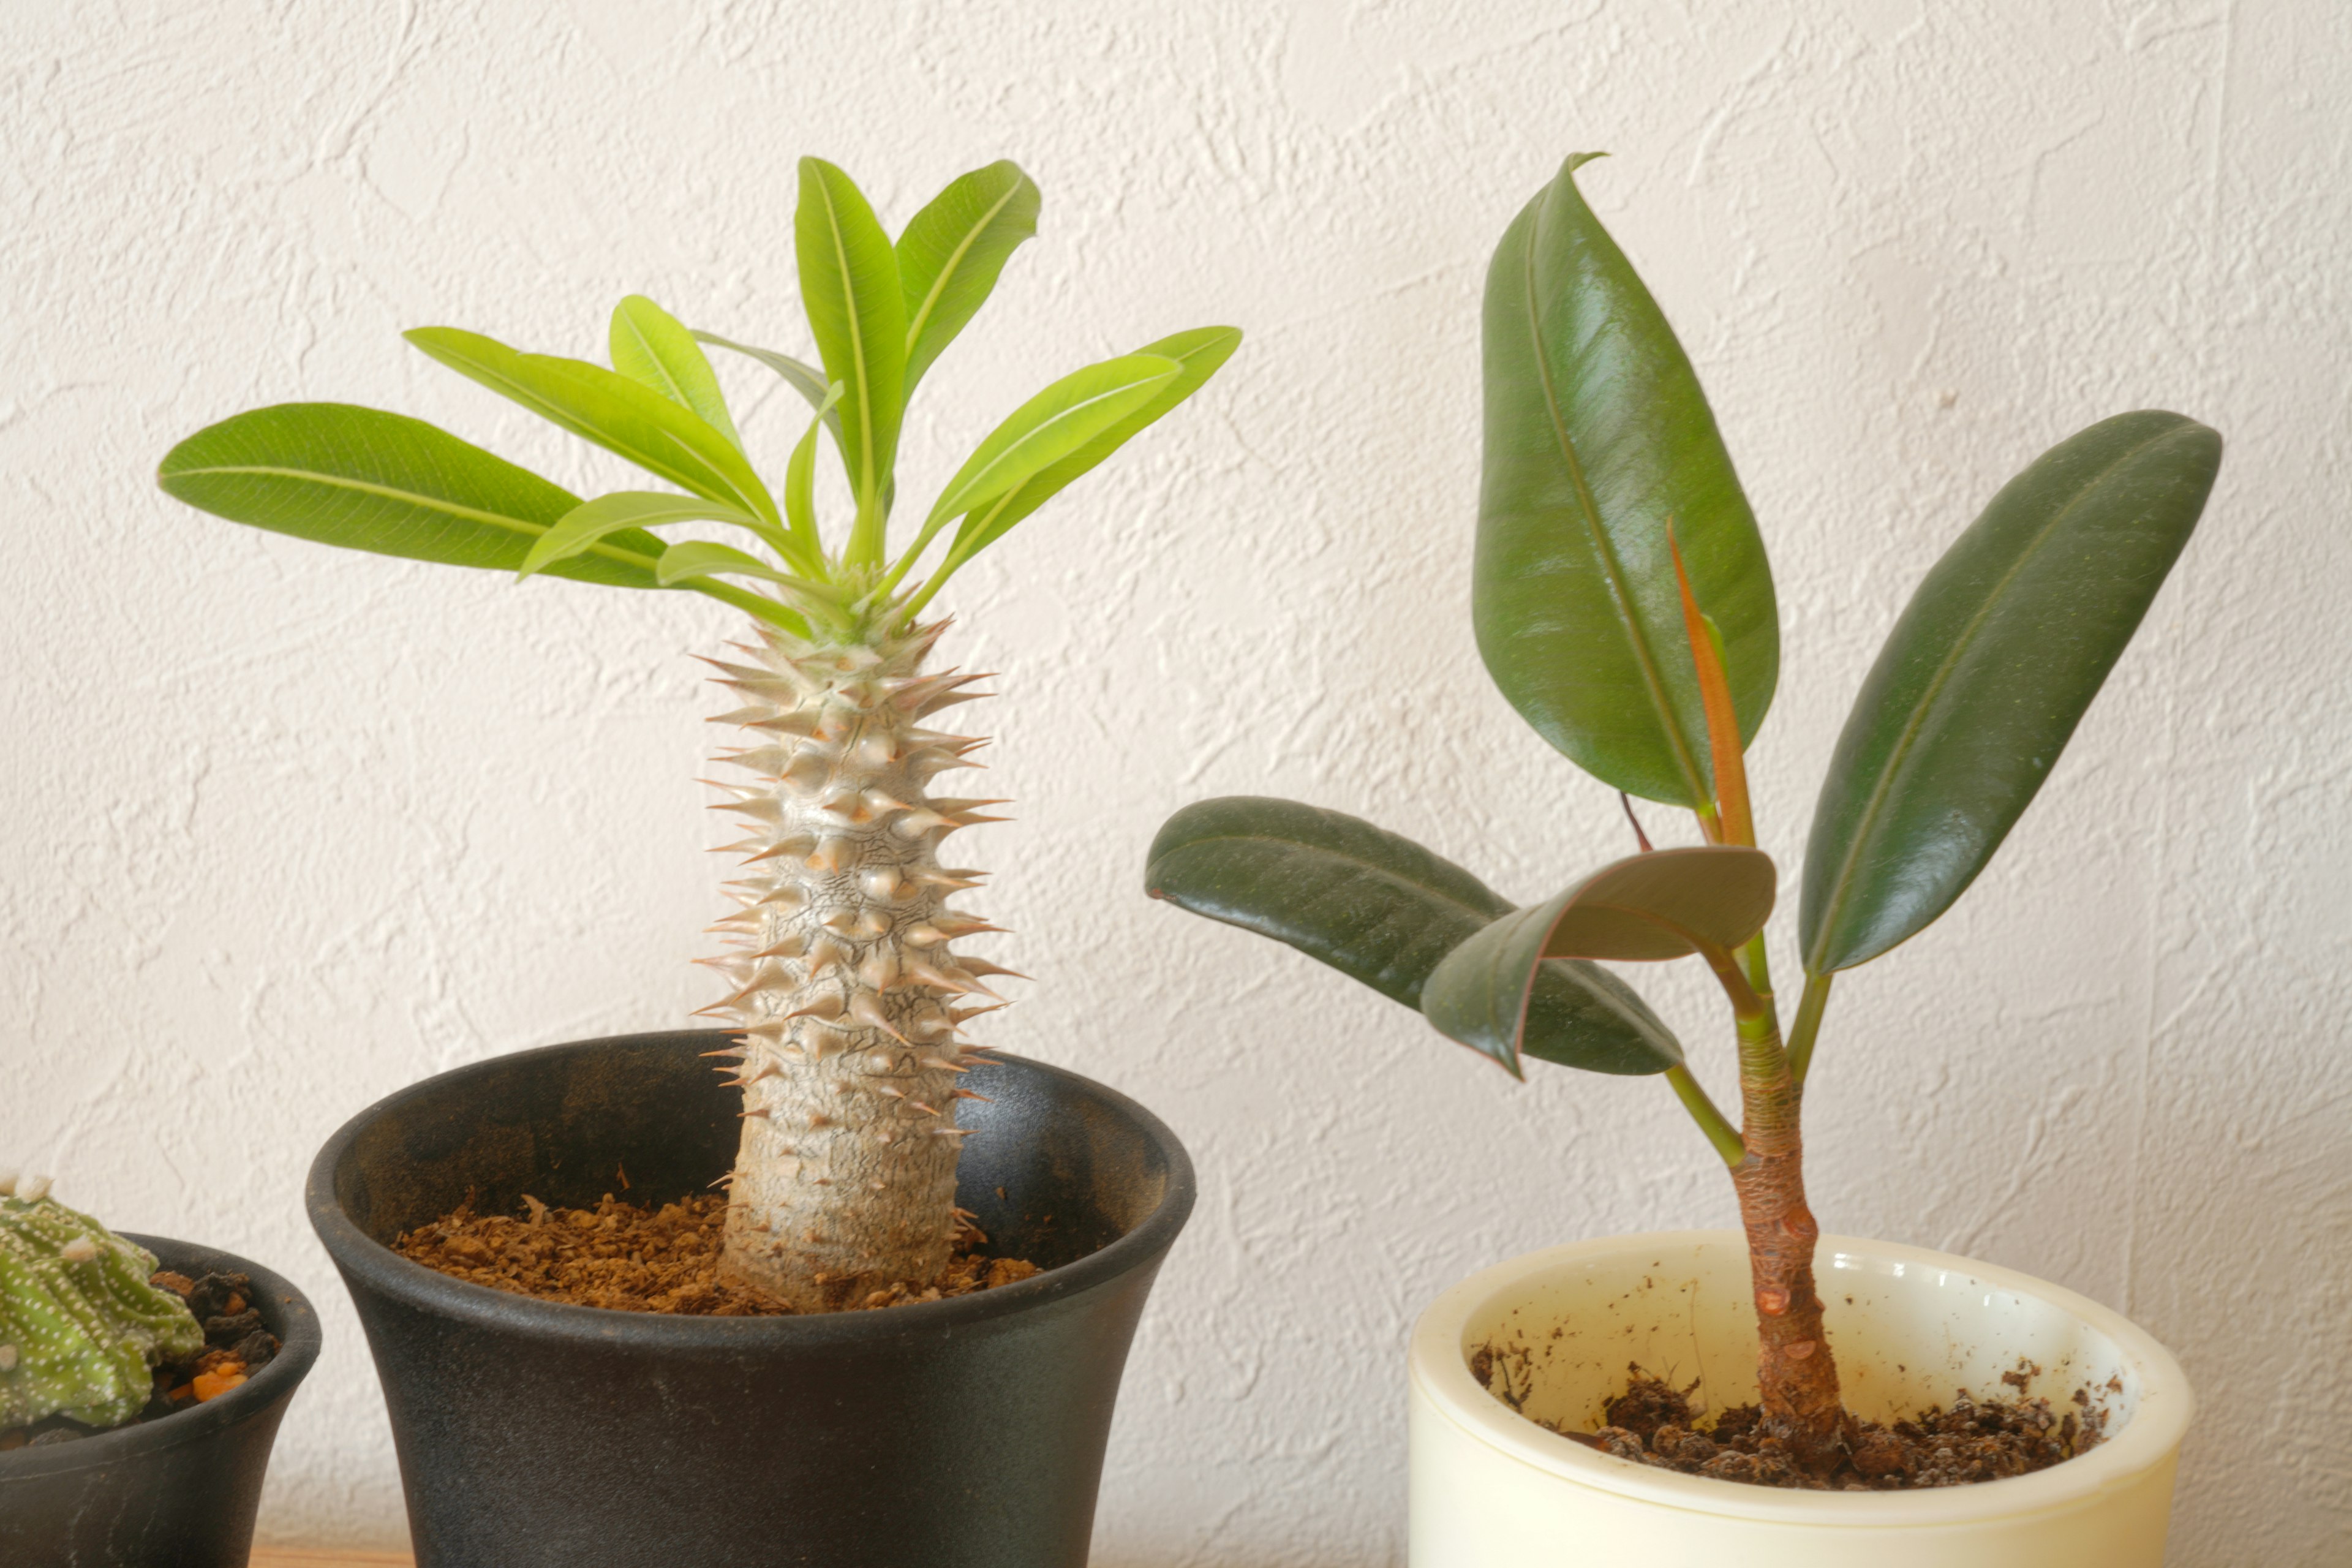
(288,829)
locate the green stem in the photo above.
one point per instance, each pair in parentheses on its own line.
(1808,1025)
(1718,1128)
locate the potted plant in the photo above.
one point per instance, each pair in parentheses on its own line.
(1624,605)
(968,1429)
(141,1382)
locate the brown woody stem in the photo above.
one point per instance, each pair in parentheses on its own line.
(1796,1374)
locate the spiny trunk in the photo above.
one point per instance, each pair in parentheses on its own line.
(1797,1375)
(845,983)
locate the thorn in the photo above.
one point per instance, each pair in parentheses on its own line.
(925,1109)
(867,1009)
(758,1110)
(725,1181)
(729,1051)
(954,1131)
(832,856)
(887,1091)
(961,1015)
(824,1008)
(953,923)
(967,1094)
(923,972)
(949,699)
(981,966)
(940,1064)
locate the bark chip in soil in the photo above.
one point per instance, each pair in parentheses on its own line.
(631,1258)
(1654,1423)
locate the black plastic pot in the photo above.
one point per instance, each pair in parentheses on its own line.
(965,1432)
(175,1493)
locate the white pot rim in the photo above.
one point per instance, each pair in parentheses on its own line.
(2155,1429)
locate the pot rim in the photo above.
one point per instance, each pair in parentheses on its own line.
(298,1343)
(2153,1434)
(384,1271)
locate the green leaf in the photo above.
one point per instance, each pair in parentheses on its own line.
(951,253)
(1050,426)
(798,374)
(849,285)
(609,409)
(700,558)
(1985,676)
(1199,353)
(586,523)
(1661,904)
(1598,435)
(1382,911)
(369,480)
(650,347)
(1492,993)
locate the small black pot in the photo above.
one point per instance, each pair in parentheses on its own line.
(179,1492)
(965,1432)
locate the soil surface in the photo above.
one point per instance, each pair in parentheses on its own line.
(236,1346)
(627,1257)
(1652,1422)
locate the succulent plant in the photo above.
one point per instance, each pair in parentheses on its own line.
(845,988)
(1624,605)
(81,1326)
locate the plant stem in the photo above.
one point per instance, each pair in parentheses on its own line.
(1718,1128)
(1808,1025)
(1796,1374)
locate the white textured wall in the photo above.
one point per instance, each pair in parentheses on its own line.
(287,828)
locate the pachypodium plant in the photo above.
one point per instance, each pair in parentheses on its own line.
(81,1329)
(1624,605)
(846,986)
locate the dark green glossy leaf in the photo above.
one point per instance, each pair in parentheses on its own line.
(1384,910)
(951,253)
(1597,436)
(1494,992)
(609,409)
(652,349)
(1664,904)
(1987,673)
(850,288)
(369,480)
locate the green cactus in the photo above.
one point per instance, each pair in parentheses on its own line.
(79,1324)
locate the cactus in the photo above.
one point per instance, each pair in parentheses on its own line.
(80,1325)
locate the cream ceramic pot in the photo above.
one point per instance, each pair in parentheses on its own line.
(1493,1489)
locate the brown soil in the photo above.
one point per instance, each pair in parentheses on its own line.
(628,1258)
(236,1346)
(1652,1422)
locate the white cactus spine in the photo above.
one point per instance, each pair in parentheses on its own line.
(844,986)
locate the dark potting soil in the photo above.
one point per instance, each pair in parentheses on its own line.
(1652,1422)
(235,1347)
(628,1257)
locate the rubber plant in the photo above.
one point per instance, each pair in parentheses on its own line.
(844,983)
(1624,605)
